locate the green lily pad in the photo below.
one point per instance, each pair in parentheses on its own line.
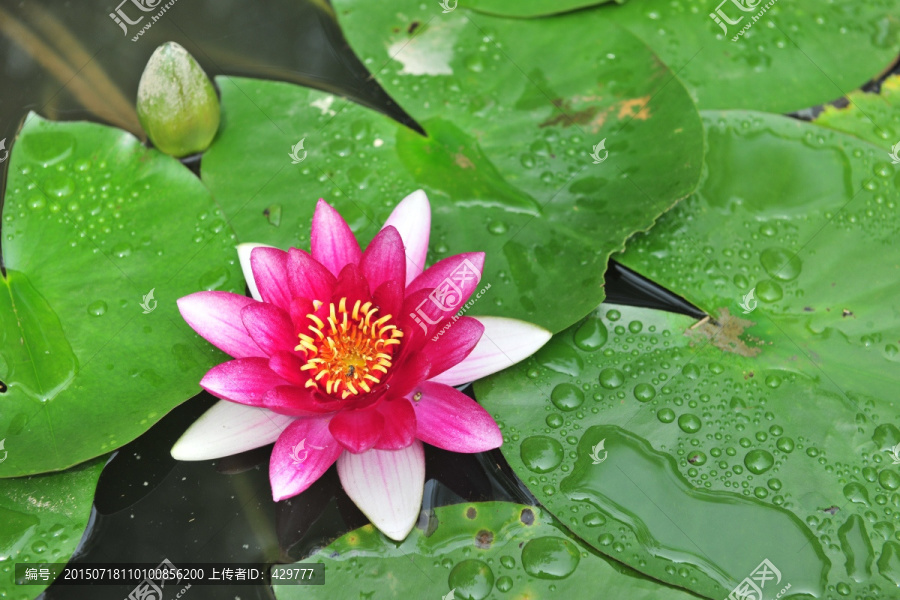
(872,117)
(42,519)
(764,433)
(527,9)
(507,160)
(812,239)
(481,550)
(799,53)
(93,227)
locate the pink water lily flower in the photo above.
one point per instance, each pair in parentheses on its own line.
(350,356)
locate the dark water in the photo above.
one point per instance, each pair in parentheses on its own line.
(70,61)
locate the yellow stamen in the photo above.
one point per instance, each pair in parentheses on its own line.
(351,350)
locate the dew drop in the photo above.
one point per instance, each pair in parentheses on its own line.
(769,291)
(472,579)
(644,392)
(498,227)
(97,308)
(785,444)
(591,335)
(594,519)
(122,250)
(611,378)
(758,461)
(689,423)
(550,557)
(780,263)
(59,186)
(541,454)
(554,420)
(665,415)
(696,458)
(856,492)
(214,279)
(889,479)
(691,371)
(567,396)
(505,583)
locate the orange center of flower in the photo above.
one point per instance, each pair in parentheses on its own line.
(350,351)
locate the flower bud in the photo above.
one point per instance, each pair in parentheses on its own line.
(176,102)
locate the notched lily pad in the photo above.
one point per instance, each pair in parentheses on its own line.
(92,348)
(801,426)
(526,158)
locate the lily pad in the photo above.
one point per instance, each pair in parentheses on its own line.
(42,519)
(506,161)
(812,239)
(796,55)
(100,236)
(528,9)
(471,552)
(764,433)
(872,117)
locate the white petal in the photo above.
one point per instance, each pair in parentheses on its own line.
(229,428)
(504,343)
(412,219)
(387,486)
(243,251)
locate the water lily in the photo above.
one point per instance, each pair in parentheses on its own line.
(351,357)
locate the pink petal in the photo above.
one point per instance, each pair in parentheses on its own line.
(301,455)
(463,270)
(352,285)
(357,430)
(244,380)
(451,420)
(455,341)
(389,299)
(270,272)
(504,343)
(384,259)
(288,365)
(297,401)
(412,219)
(332,242)
(307,277)
(217,317)
(270,327)
(244,251)
(387,486)
(228,428)
(299,309)
(441,291)
(411,371)
(399,424)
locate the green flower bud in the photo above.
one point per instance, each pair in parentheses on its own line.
(176,102)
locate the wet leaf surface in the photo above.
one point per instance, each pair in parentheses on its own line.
(92,348)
